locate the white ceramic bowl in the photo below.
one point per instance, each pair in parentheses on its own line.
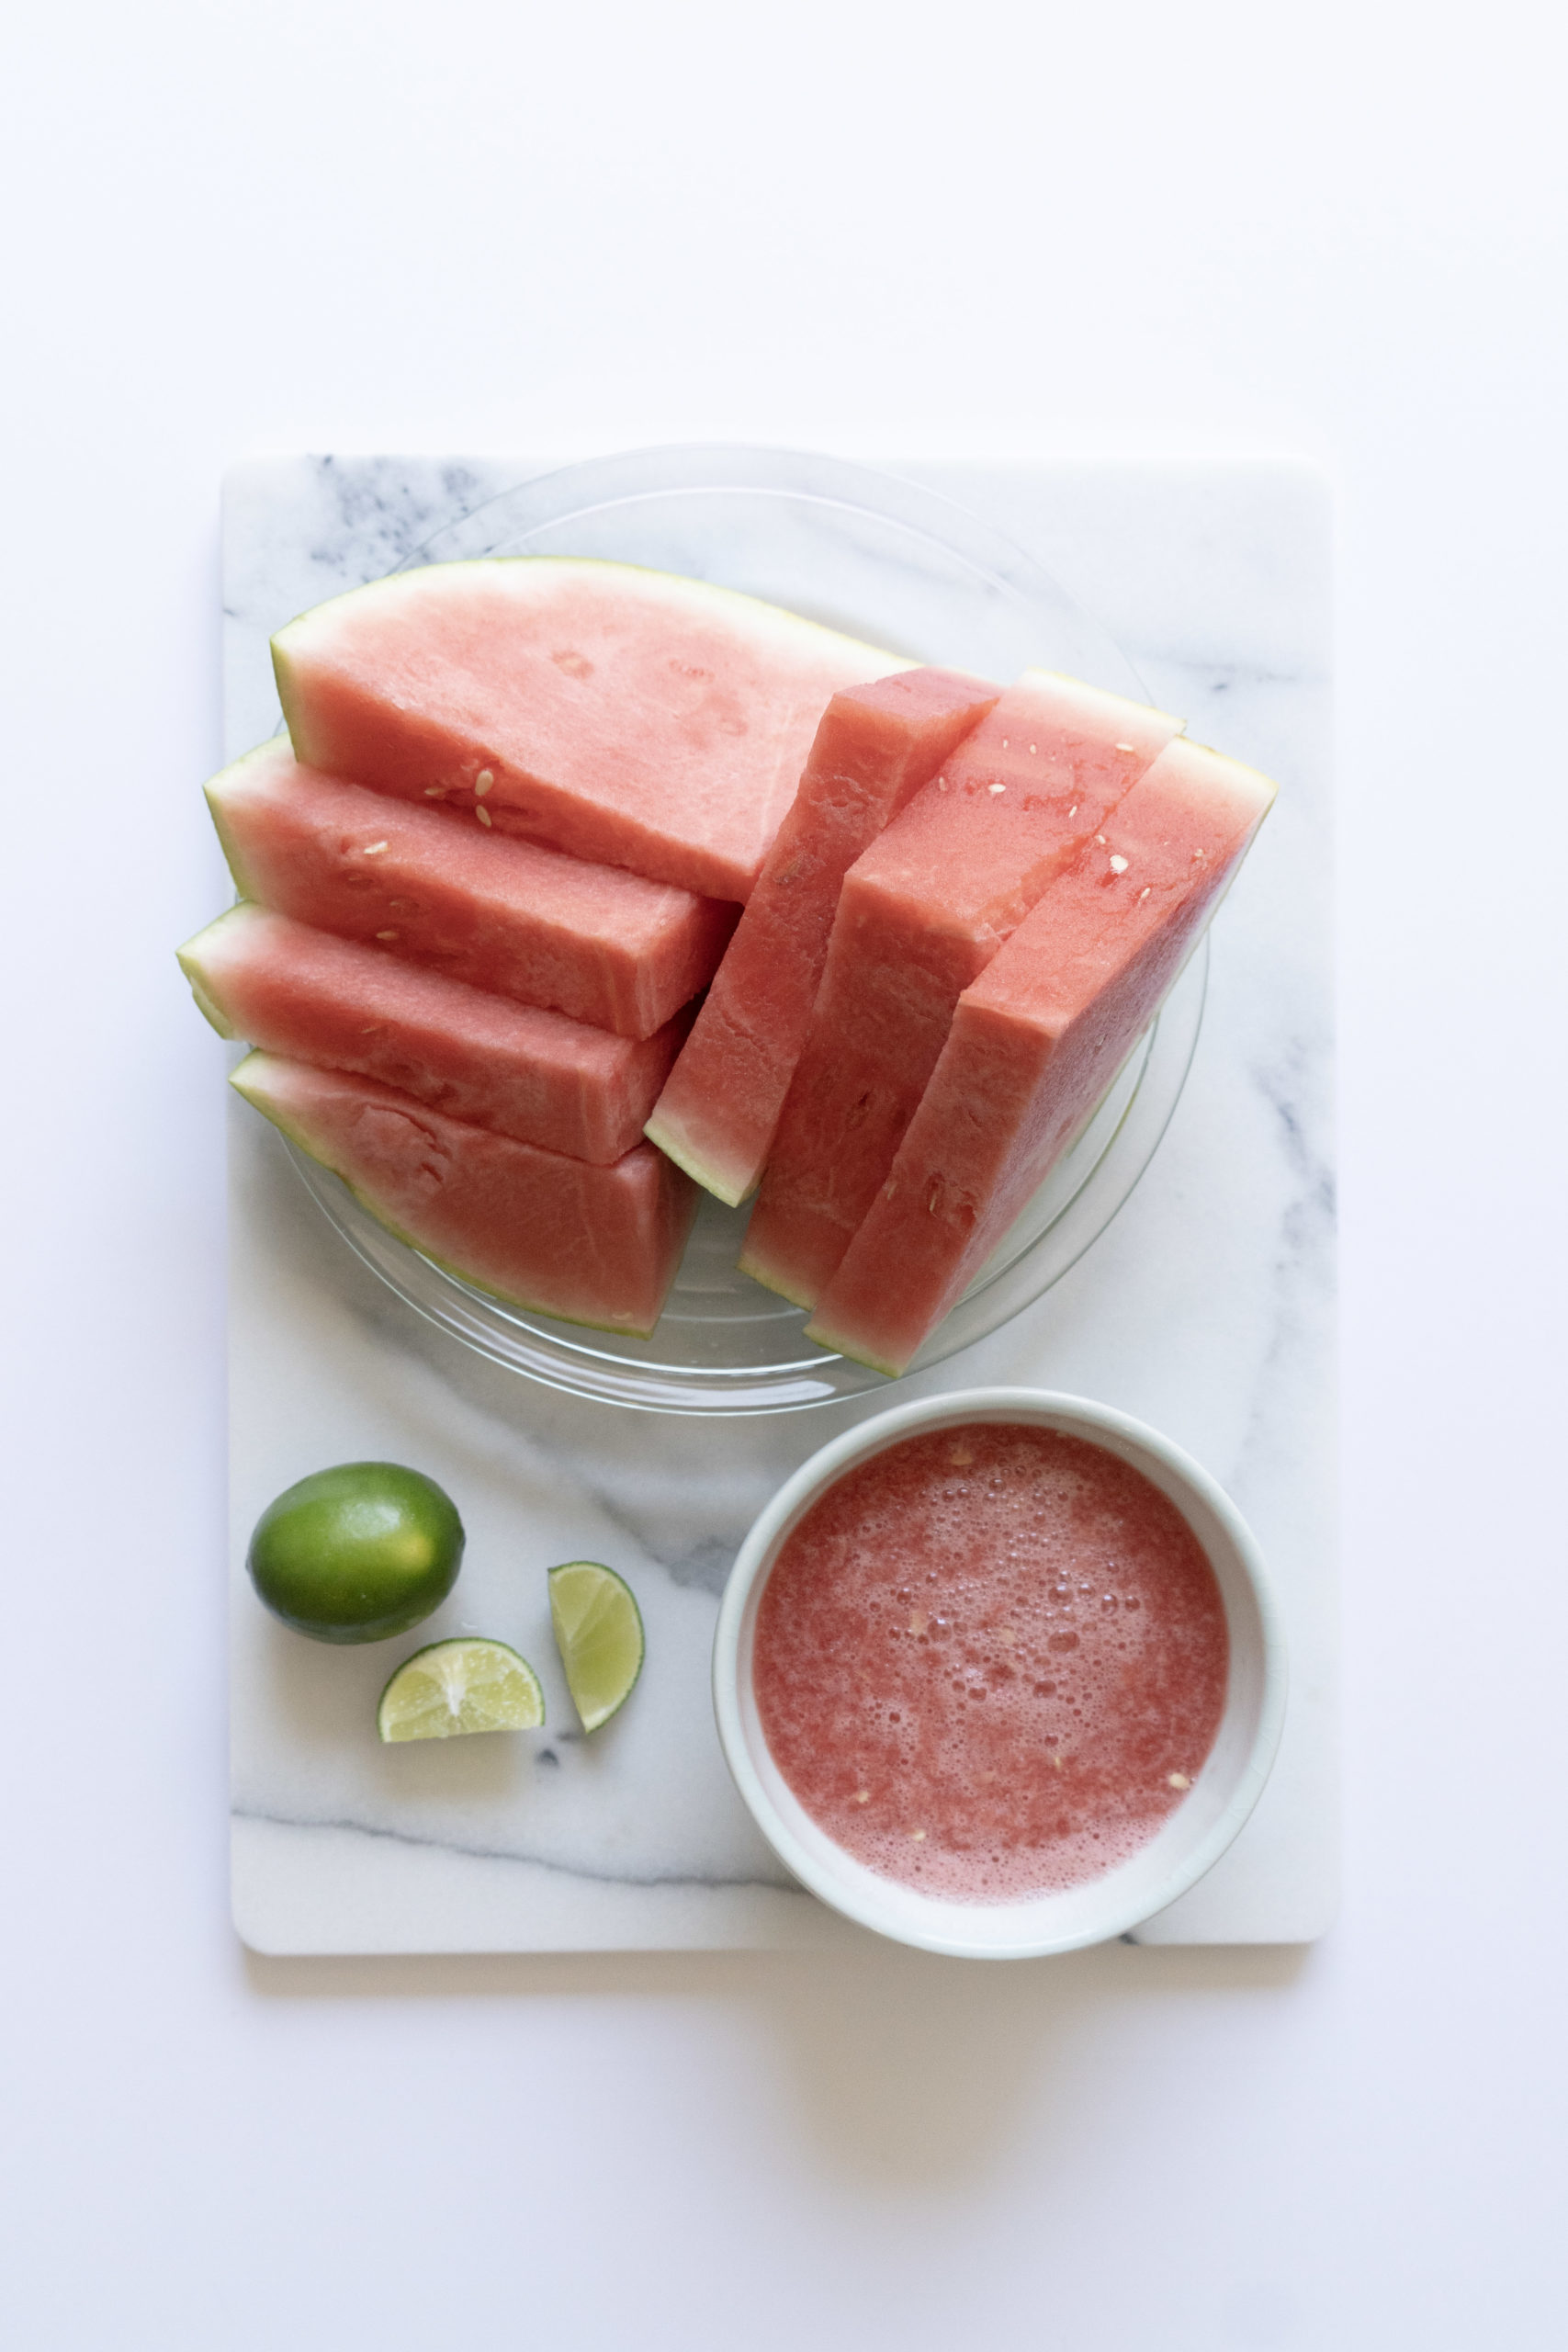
(1195,1835)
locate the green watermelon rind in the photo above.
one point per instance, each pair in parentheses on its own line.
(671,1142)
(212,793)
(771,1282)
(191,961)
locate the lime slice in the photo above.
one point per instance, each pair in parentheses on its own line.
(599,1635)
(357,1553)
(459,1686)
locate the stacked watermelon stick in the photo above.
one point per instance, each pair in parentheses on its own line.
(876,746)
(920,915)
(511,917)
(591,1245)
(1033,1045)
(514,1068)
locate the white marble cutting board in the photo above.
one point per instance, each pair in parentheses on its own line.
(1207,1308)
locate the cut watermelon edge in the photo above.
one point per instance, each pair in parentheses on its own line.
(672,1145)
(766,1281)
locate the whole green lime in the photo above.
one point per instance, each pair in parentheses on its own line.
(359,1553)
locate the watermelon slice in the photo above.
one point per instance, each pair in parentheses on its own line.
(874,749)
(514,1069)
(589,1245)
(590,941)
(1034,1044)
(627,716)
(920,915)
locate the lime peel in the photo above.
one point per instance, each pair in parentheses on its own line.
(598,1630)
(356,1552)
(458,1686)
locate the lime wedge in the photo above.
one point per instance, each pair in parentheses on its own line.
(459,1686)
(599,1633)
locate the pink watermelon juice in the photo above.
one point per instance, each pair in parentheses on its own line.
(593,942)
(874,749)
(920,915)
(991,1661)
(1034,1044)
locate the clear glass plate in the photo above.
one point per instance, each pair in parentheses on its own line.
(906,569)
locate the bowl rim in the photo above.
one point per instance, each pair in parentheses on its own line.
(934,1924)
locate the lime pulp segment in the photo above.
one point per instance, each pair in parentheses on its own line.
(598,1630)
(462,1685)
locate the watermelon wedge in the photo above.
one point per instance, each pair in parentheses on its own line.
(514,1068)
(1033,1045)
(589,1245)
(876,747)
(920,915)
(626,716)
(590,941)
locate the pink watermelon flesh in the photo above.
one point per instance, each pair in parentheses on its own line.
(920,915)
(514,1068)
(874,749)
(626,716)
(589,1245)
(593,942)
(1034,1044)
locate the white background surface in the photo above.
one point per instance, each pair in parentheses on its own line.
(874,230)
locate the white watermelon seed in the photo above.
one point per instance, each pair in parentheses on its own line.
(483,816)
(483,781)
(386,934)
(435,792)
(1119,866)
(374,848)
(1127,747)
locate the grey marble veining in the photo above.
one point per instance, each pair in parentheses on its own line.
(1207,1308)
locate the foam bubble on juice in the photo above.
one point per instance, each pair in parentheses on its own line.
(991,1661)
